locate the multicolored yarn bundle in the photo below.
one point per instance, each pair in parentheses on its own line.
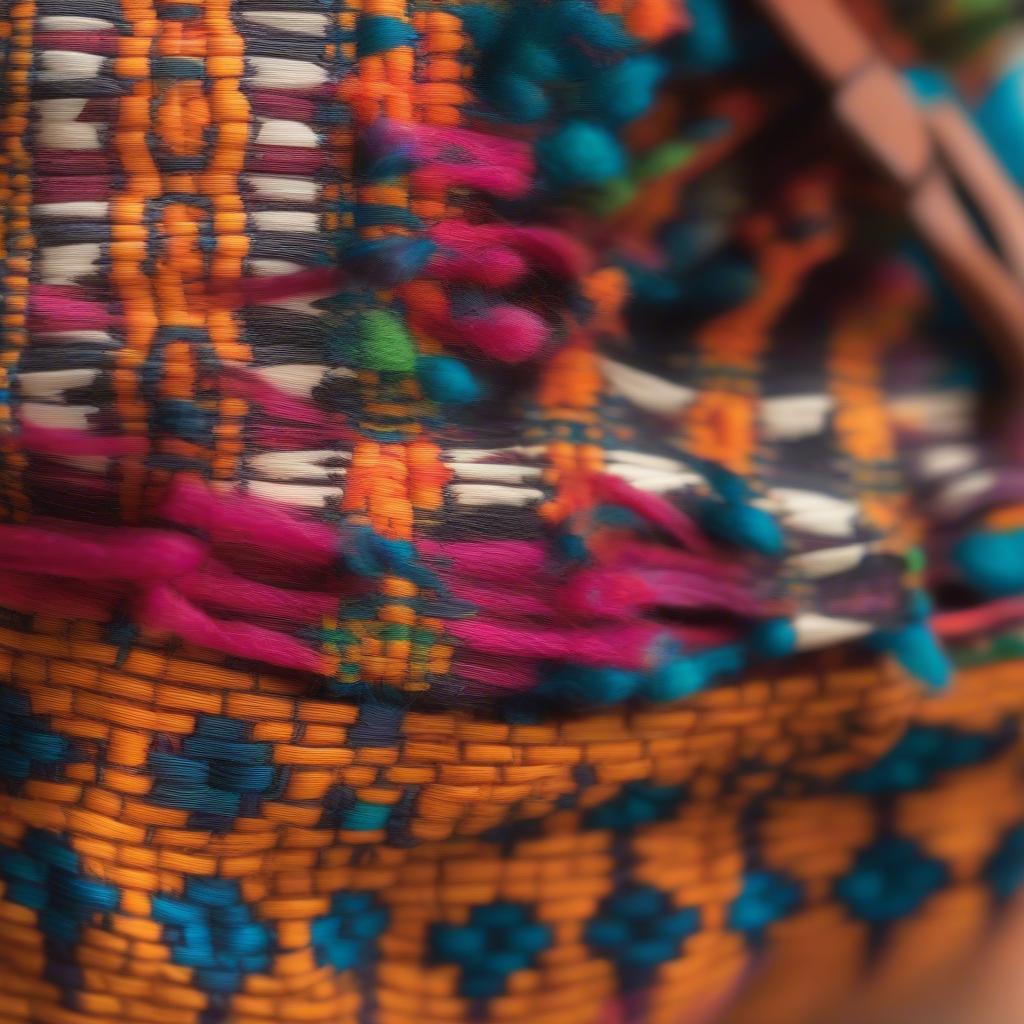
(497,523)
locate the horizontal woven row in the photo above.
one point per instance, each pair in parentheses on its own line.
(142,741)
(575,892)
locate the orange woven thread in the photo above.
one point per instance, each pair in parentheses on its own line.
(16,240)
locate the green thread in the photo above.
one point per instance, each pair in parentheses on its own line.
(386,345)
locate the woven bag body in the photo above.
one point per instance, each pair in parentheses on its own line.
(497,523)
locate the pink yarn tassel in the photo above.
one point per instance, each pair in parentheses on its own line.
(106,553)
(489,266)
(985,618)
(434,141)
(517,600)
(609,646)
(508,333)
(251,291)
(216,586)
(235,518)
(547,249)
(504,181)
(51,441)
(616,593)
(517,675)
(656,510)
(276,403)
(502,167)
(33,595)
(643,555)
(503,332)
(161,608)
(52,308)
(487,559)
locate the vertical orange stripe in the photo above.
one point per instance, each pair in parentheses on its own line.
(862,424)
(721,425)
(128,237)
(16,242)
(232,116)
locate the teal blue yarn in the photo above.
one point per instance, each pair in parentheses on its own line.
(51,849)
(889,880)
(923,753)
(570,65)
(678,675)
(691,240)
(732,488)
(999,118)
(519,84)
(919,605)
(692,673)
(652,287)
(184,419)
(535,59)
(744,526)
(1004,871)
(580,154)
(182,68)
(766,897)
(483,24)
(699,290)
(28,746)
(215,771)
(615,515)
(345,938)
(721,284)
(386,261)
(542,59)
(929,85)
(638,928)
(366,817)
(916,648)
(498,940)
(447,380)
(377,33)
(583,686)
(455,944)
(681,678)
(638,803)
(211,929)
(47,876)
(622,92)
(710,42)
(992,562)
(519,97)
(580,19)
(773,638)
(572,546)
(367,553)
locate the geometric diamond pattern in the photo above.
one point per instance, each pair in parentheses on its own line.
(497,940)
(890,879)
(638,928)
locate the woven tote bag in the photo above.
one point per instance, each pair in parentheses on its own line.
(509,512)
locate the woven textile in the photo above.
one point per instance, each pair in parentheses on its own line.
(499,516)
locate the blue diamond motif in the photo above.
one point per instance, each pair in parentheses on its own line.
(211,929)
(890,879)
(346,936)
(497,940)
(923,753)
(638,928)
(1005,868)
(766,897)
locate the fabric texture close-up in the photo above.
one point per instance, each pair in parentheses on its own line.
(511,511)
